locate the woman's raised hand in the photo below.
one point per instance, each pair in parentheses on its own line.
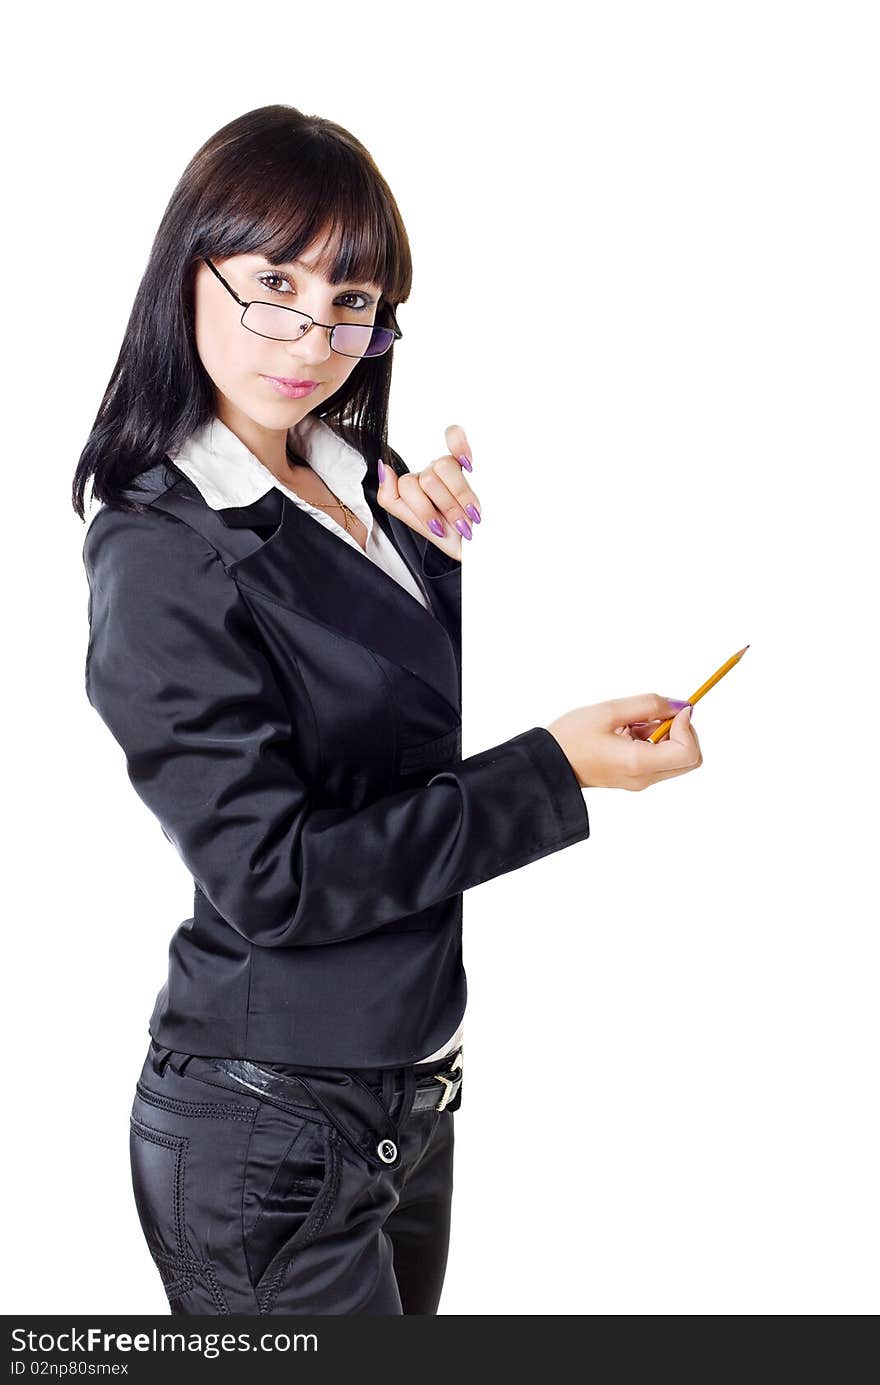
(607,748)
(438,500)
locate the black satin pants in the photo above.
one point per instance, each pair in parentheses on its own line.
(259,1195)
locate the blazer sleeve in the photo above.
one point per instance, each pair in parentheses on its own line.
(177,670)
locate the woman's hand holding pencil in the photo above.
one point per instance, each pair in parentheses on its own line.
(620,744)
(606,744)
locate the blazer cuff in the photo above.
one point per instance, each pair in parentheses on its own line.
(561,782)
(522,801)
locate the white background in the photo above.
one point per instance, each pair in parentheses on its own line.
(646,283)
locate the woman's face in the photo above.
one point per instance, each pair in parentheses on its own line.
(239,362)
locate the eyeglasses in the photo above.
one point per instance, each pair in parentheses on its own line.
(278,323)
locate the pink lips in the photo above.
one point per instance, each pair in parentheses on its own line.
(291,389)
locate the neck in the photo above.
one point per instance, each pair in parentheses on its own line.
(296,471)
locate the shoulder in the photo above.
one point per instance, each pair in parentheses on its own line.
(147,546)
(157,590)
(153,482)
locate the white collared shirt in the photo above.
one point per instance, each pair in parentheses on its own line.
(227,473)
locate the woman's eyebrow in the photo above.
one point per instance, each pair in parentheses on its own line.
(291,264)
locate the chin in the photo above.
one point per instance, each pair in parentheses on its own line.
(274,411)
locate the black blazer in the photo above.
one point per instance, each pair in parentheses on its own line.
(292,717)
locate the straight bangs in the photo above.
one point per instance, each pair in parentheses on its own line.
(313,190)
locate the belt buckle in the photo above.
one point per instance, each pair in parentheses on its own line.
(448,1082)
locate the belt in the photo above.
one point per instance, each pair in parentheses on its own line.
(346,1094)
(426,1093)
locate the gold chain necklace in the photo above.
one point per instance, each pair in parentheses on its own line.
(346,510)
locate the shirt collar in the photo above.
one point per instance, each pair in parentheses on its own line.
(228,474)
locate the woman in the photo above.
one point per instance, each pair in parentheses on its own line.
(275,643)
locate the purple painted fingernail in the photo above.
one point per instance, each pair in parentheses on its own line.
(474,513)
(381,471)
(437,527)
(464,528)
(465,462)
(674,702)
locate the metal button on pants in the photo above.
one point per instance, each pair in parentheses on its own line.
(263,1192)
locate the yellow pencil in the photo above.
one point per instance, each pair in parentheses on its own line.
(663,728)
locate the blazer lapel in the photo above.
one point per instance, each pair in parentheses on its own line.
(277,550)
(309,569)
(443,596)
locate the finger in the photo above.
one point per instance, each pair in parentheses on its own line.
(683,724)
(677,754)
(641,730)
(451,499)
(403,496)
(447,515)
(458,445)
(627,711)
(696,741)
(388,484)
(681,732)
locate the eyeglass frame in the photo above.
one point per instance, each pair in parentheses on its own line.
(313,322)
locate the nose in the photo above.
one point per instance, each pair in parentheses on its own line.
(313,345)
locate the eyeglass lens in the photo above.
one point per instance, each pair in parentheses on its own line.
(286,324)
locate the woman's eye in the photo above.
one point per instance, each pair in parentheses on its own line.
(279,279)
(357,307)
(266,282)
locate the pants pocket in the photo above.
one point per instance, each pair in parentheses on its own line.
(290,1186)
(158,1167)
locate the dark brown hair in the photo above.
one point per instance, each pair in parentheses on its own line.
(273,181)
